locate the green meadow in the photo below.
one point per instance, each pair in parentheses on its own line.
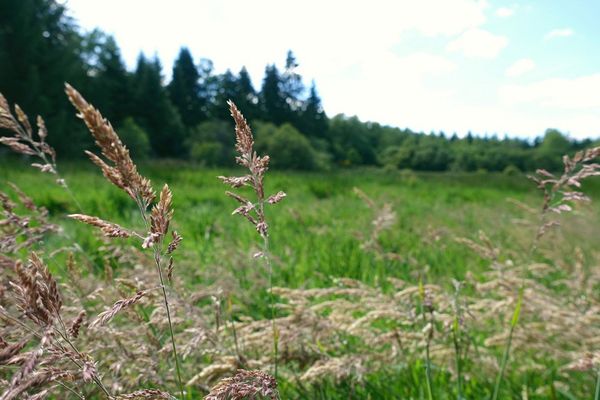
(318,235)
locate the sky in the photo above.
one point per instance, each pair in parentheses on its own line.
(490,67)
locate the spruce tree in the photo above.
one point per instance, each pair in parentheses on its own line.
(40,49)
(273,102)
(184,89)
(292,88)
(313,119)
(111,82)
(154,111)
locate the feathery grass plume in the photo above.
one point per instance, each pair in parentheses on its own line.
(124,173)
(38,298)
(109,229)
(37,292)
(559,191)
(76,325)
(245,385)
(254,211)
(105,317)
(23,140)
(384,219)
(257,166)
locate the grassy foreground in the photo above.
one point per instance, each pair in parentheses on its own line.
(324,231)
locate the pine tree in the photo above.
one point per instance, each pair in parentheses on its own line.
(246,96)
(313,119)
(238,89)
(111,82)
(273,102)
(226,89)
(184,90)
(292,89)
(154,111)
(39,50)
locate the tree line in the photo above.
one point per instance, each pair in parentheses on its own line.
(41,47)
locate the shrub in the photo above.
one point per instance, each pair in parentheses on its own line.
(207,153)
(135,138)
(288,147)
(210,143)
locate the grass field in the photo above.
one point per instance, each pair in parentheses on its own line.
(320,233)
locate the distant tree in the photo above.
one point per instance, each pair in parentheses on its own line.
(238,89)
(550,151)
(135,138)
(226,90)
(292,89)
(352,141)
(212,143)
(40,49)
(272,99)
(154,111)
(313,121)
(111,82)
(246,97)
(184,90)
(287,147)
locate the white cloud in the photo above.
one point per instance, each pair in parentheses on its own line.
(520,67)
(556,33)
(557,93)
(237,32)
(504,12)
(478,43)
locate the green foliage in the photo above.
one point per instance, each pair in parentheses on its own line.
(287,147)
(207,153)
(155,112)
(184,90)
(211,143)
(135,138)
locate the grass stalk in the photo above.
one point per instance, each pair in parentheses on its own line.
(272,305)
(157,260)
(428,341)
(458,361)
(513,324)
(597,394)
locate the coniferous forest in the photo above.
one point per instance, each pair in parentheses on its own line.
(187,117)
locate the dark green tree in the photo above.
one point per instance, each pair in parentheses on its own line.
(313,121)
(40,49)
(292,89)
(272,99)
(154,111)
(226,89)
(184,90)
(111,83)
